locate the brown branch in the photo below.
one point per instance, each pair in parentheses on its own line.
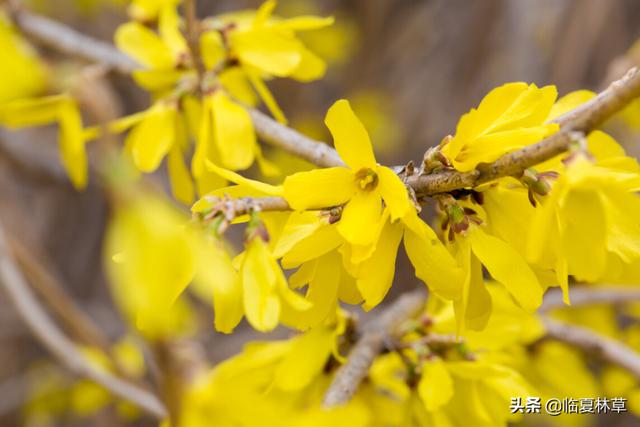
(43,328)
(193,39)
(590,295)
(376,335)
(292,141)
(606,348)
(584,119)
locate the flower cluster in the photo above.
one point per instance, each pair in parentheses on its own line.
(333,238)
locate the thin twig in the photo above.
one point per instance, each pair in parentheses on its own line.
(43,328)
(292,141)
(193,38)
(606,348)
(373,340)
(590,295)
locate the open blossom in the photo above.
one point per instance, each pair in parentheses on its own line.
(589,221)
(264,46)
(361,186)
(509,117)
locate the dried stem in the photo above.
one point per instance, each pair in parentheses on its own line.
(376,335)
(608,349)
(43,328)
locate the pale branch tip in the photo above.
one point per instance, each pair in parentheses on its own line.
(54,340)
(607,349)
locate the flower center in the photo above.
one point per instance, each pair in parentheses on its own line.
(367,179)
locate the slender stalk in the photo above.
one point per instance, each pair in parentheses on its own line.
(52,338)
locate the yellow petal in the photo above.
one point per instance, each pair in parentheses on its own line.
(212,48)
(72,145)
(261,302)
(152,139)
(319,188)
(305,360)
(433,264)
(264,12)
(235,81)
(349,136)
(323,240)
(144,46)
(158,261)
(299,226)
(305,23)
(322,291)
(179,176)
(261,187)
(266,96)
(234,134)
(478,300)
(158,80)
(435,387)
(361,215)
(376,273)
(569,102)
(273,52)
(217,280)
(393,192)
(507,267)
(488,148)
(584,234)
(31,111)
(311,67)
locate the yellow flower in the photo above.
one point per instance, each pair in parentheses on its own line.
(151,257)
(63,110)
(509,117)
(336,270)
(21,74)
(148,10)
(226,136)
(160,54)
(266,294)
(588,222)
(474,249)
(362,186)
(264,46)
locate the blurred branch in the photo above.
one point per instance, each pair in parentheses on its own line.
(67,40)
(193,38)
(606,348)
(375,336)
(43,328)
(48,286)
(590,295)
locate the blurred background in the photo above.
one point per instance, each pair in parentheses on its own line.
(410,69)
